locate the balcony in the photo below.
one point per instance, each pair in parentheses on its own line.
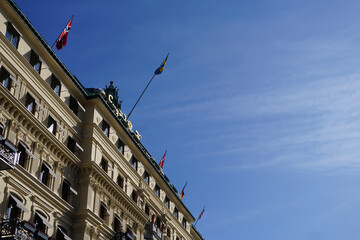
(153,232)
(7,154)
(17,229)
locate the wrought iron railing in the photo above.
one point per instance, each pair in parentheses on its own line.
(153,232)
(20,230)
(7,154)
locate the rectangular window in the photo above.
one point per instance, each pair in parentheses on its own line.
(5,78)
(134,196)
(46,174)
(73,104)
(71,144)
(35,61)
(105,128)
(2,129)
(120,182)
(23,157)
(167,202)
(104,165)
(117,224)
(104,212)
(56,85)
(184,222)
(51,125)
(146,177)
(65,192)
(30,103)
(176,213)
(147,210)
(157,190)
(121,146)
(12,35)
(134,163)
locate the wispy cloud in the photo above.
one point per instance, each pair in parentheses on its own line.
(305,126)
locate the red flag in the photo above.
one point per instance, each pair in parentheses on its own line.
(201,214)
(182,192)
(61,42)
(161,163)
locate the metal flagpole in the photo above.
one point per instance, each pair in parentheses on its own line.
(202,212)
(62,31)
(141,95)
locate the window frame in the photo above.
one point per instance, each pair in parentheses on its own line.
(71,144)
(74,105)
(104,165)
(55,85)
(134,163)
(121,146)
(35,61)
(30,103)
(167,202)
(176,213)
(105,127)
(51,125)
(5,78)
(157,190)
(184,222)
(121,182)
(23,157)
(134,196)
(11,33)
(146,177)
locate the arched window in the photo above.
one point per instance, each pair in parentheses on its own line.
(15,207)
(41,223)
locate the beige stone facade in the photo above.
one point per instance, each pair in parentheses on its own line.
(72,167)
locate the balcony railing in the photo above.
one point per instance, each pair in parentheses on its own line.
(153,232)
(7,154)
(18,229)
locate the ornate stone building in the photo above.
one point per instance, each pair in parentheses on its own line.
(71,165)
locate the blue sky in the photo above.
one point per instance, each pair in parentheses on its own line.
(258,105)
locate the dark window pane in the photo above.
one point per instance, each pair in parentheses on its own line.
(51,125)
(71,144)
(65,192)
(56,85)
(5,78)
(73,104)
(120,181)
(105,128)
(104,165)
(23,157)
(12,35)
(45,175)
(134,163)
(121,146)
(35,61)
(30,103)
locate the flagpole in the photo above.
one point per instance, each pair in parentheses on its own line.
(196,222)
(62,31)
(199,216)
(141,96)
